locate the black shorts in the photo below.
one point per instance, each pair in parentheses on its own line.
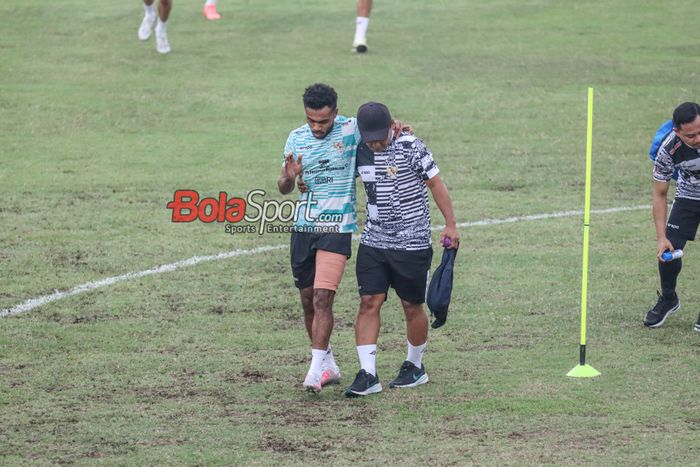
(405,271)
(303,246)
(682,224)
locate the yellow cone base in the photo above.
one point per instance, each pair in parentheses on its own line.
(583,371)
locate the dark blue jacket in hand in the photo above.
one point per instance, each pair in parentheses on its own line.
(440,288)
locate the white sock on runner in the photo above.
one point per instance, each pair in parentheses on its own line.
(361,28)
(415,354)
(317,361)
(368,358)
(329,359)
(161,26)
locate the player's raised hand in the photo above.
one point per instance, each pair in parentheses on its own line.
(292,168)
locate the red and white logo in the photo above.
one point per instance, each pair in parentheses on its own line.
(189,206)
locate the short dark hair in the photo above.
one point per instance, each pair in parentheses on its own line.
(685,113)
(319,95)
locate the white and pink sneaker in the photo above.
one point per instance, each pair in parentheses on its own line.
(147,26)
(210,12)
(312,383)
(330,376)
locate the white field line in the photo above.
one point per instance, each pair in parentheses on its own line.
(34,303)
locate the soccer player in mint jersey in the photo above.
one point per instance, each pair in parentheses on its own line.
(680,150)
(397,169)
(322,153)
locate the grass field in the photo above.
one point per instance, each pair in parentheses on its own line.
(203,365)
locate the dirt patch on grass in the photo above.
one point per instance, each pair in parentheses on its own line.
(72,259)
(170,393)
(253,376)
(85,319)
(10,368)
(508,187)
(460,433)
(292,360)
(93,318)
(276,308)
(694,423)
(176,303)
(488,347)
(247,376)
(515,341)
(282,445)
(596,443)
(524,435)
(270,443)
(268,308)
(219,310)
(161,442)
(312,413)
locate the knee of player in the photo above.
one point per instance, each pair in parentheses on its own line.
(371,304)
(307,299)
(323,299)
(412,310)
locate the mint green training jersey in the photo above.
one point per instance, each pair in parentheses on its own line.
(328,169)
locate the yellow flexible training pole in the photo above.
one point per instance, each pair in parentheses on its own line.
(582,370)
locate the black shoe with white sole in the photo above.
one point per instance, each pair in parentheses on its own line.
(409,376)
(364,385)
(663,308)
(697,325)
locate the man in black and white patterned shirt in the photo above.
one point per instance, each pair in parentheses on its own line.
(680,150)
(395,247)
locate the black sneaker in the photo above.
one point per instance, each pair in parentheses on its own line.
(697,325)
(409,376)
(657,315)
(364,384)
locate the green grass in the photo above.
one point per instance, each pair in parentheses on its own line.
(203,365)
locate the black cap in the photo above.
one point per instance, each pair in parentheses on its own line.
(374,121)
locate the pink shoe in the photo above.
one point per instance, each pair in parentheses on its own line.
(312,383)
(330,376)
(210,12)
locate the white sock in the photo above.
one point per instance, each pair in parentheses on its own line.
(415,354)
(361,28)
(161,27)
(368,358)
(150,9)
(329,360)
(211,2)
(317,361)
